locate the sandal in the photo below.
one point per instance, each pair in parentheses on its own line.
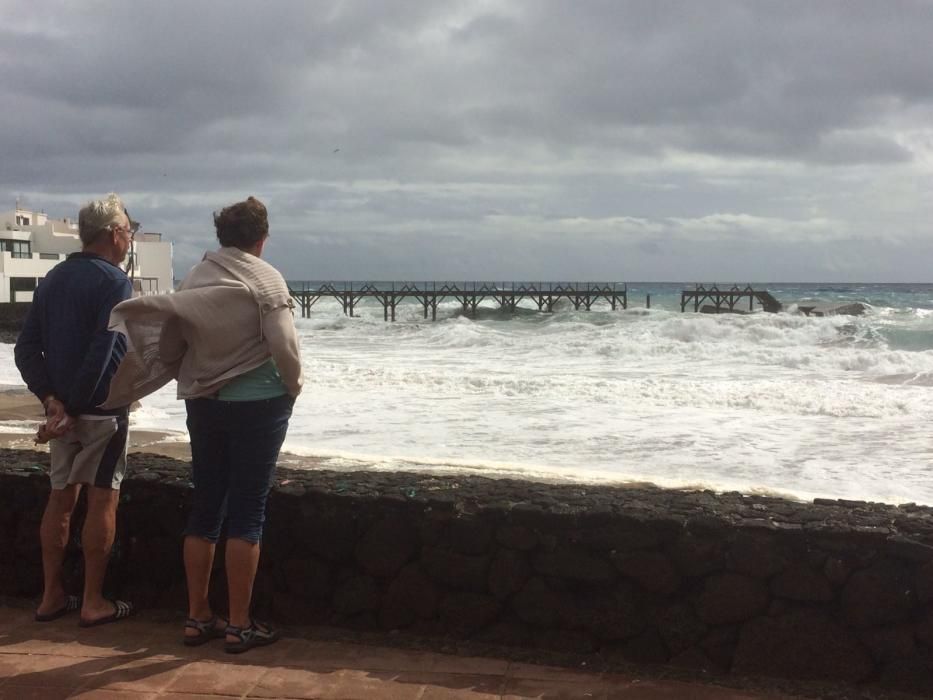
(206,631)
(121,610)
(258,634)
(72,603)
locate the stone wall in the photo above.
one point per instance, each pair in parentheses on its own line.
(750,585)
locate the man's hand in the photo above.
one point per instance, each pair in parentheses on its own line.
(57,422)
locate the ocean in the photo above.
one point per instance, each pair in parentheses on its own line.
(783,403)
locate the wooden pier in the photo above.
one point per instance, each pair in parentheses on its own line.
(725,300)
(506,295)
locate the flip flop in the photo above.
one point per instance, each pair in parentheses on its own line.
(72,603)
(207,630)
(122,610)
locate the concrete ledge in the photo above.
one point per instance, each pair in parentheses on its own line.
(834,590)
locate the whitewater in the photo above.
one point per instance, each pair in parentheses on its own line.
(783,403)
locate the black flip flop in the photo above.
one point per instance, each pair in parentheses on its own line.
(72,603)
(122,610)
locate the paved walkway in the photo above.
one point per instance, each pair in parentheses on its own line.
(141,658)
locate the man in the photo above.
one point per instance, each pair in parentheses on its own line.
(67,357)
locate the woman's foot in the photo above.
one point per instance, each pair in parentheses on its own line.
(198,632)
(257,634)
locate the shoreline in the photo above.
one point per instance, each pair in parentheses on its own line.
(20,414)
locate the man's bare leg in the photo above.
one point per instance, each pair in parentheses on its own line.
(53,534)
(97,540)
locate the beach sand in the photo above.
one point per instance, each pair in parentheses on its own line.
(18,405)
(23,413)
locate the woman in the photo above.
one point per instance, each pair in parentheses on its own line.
(228,336)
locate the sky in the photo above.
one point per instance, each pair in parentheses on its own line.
(610,140)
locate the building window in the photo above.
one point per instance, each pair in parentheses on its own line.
(19,249)
(146,285)
(22,288)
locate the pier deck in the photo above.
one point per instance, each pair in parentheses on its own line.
(724,299)
(506,295)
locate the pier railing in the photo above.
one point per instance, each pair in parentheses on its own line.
(506,295)
(726,299)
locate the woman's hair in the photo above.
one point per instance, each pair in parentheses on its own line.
(242,225)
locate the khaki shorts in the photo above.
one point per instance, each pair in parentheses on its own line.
(93,452)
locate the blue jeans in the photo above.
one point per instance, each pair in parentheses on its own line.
(234,448)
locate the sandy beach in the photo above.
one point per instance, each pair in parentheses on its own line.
(21,409)
(21,413)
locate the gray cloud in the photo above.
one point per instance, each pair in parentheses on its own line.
(535,138)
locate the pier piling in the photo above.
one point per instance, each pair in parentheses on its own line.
(469,295)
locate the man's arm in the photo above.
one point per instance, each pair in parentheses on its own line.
(30,359)
(103,345)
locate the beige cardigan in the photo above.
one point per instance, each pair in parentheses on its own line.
(230,314)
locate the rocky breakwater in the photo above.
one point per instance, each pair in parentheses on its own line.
(729,583)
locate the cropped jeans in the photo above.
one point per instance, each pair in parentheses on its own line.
(234,449)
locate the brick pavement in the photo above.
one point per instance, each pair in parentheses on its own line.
(143,658)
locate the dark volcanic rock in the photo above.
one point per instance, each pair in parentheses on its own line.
(308,577)
(636,572)
(625,536)
(358,594)
(800,582)
(574,565)
(877,596)
(609,616)
(646,648)
(459,571)
(924,583)
(517,537)
(719,645)
(680,627)
(653,571)
(326,532)
(508,573)
(801,645)
(891,643)
(470,535)
(695,659)
(537,604)
(838,569)
(466,613)
(731,598)
(386,546)
(410,596)
(757,555)
(910,675)
(697,556)
(909,549)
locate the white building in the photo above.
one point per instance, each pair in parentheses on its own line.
(31,244)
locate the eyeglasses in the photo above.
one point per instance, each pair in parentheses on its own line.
(130,231)
(134,225)
(132,228)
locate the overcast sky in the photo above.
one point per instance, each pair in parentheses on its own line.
(507,139)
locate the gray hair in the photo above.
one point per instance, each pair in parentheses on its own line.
(100,214)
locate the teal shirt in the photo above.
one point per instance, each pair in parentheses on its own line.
(261,383)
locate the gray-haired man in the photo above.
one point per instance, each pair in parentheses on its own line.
(67,357)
